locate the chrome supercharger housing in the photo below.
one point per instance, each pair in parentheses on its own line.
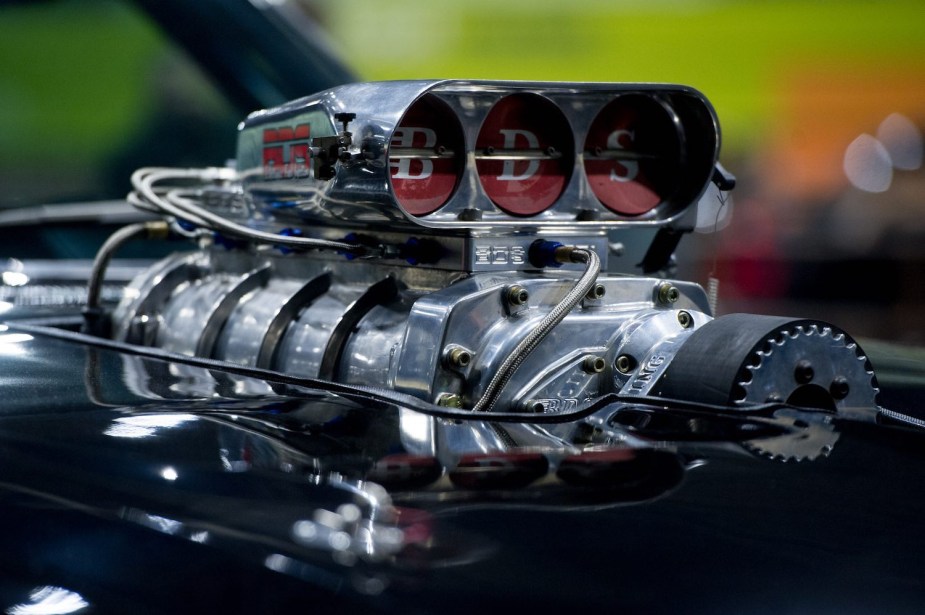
(458,193)
(434,335)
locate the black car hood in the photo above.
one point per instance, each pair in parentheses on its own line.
(146,485)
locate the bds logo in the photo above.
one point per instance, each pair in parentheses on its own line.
(286,152)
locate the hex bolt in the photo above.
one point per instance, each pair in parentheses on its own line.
(457,356)
(685,319)
(449,400)
(839,387)
(470,214)
(624,363)
(597,292)
(804,373)
(668,293)
(587,215)
(593,364)
(517,295)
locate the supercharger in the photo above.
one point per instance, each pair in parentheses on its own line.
(465,243)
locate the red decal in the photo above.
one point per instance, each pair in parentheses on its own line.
(524,154)
(632,155)
(426,156)
(286,152)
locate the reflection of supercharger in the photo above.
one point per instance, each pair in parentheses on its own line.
(463,229)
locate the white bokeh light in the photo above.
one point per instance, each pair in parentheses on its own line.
(868,165)
(902,140)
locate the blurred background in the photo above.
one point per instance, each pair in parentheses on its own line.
(822,106)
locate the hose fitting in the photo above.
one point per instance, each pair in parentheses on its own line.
(543,253)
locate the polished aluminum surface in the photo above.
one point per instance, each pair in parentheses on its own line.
(390,328)
(362,191)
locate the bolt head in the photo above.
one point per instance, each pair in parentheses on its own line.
(624,364)
(668,294)
(839,388)
(517,295)
(449,400)
(593,364)
(458,357)
(470,214)
(597,292)
(803,373)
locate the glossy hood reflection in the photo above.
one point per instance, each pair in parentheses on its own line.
(343,493)
(50,600)
(145,425)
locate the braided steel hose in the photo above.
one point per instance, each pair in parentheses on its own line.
(563,254)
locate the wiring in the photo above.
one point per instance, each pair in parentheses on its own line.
(112,244)
(377,396)
(95,319)
(173,201)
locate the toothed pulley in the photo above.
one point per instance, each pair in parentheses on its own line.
(743,359)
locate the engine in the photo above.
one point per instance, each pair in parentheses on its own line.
(468,243)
